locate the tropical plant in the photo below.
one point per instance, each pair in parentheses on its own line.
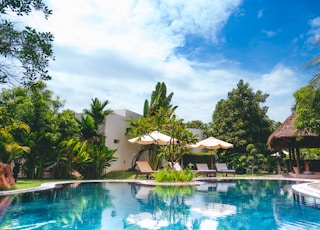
(159,99)
(92,132)
(34,106)
(73,155)
(171,175)
(314,62)
(97,111)
(9,148)
(101,157)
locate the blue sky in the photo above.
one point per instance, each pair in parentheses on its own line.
(119,50)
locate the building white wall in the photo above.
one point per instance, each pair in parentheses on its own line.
(115,130)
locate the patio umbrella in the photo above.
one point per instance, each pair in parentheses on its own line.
(212,143)
(155,137)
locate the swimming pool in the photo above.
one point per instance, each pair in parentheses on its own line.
(239,204)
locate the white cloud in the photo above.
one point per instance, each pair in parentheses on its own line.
(260,14)
(280,84)
(269,33)
(315,22)
(119,50)
(314,32)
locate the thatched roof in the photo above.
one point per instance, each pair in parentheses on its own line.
(287,136)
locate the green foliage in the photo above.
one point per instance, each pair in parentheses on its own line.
(10,147)
(170,192)
(34,128)
(196,124)
(159,115)
(165,121)
(314,62)
(170,175)
(101,158)
(72,155)
(159,99)
(24,7)
(30,48)
(87,127)
(253,160)
(308,108)
(241,120)
(35,107)
(98,111)
(91,131)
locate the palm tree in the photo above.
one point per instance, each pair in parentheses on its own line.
(314,63)
(159,99)
(98,111)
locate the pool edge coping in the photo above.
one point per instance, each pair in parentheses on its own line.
(303,188)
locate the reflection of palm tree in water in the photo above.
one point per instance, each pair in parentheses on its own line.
(166,204)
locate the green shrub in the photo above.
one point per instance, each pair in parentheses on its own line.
(170,175)
(171,192)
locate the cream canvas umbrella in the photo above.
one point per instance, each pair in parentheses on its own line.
(211,143)
(155,137)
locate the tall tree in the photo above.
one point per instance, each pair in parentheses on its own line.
(308,107)
(308,101)
(98,111)
(25,52)
(158,99)
(315,62)
(241,120)
(91,126)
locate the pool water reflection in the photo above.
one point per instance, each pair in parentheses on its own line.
(239,204)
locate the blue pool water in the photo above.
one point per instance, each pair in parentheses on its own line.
(239,204)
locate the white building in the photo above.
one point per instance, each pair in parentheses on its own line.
(116,126)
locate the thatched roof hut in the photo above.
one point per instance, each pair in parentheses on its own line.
(287,136)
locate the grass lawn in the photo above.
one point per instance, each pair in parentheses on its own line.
(22,184)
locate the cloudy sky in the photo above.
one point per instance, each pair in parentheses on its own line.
(119,50)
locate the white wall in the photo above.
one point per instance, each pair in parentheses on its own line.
(115,131)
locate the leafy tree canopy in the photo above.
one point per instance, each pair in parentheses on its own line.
(25,52)
(308,107)
(308,101)
(241,120)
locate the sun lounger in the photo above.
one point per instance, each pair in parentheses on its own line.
(204,170)
(224,186)
(145,169)
(223,168)
(143,192)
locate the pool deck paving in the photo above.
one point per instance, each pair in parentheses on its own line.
(303,186)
